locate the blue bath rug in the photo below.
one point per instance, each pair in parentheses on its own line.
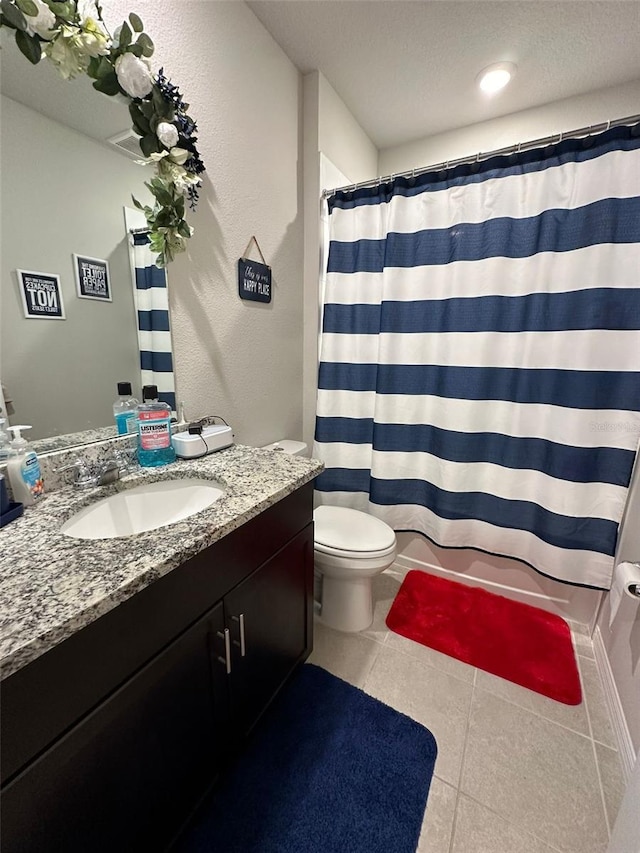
(330,770)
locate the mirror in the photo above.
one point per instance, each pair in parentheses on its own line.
(65,188)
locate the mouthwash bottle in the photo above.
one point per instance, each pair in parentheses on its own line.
(125,409)
(154,430)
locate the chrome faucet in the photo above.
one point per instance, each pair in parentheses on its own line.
(87,476)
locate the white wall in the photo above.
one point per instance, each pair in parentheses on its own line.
(240,359)
(330,131)
(620,642)
(569,114)
(340,137)
(63,192)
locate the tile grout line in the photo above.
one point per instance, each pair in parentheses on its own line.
(538,714)
(461,792)
(462,761)
(595,752)
(520,829)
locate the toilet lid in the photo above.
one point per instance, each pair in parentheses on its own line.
(343,529)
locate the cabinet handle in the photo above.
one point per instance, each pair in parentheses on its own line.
(226,660)
(243,649)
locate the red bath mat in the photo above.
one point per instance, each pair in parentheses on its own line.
(515,641)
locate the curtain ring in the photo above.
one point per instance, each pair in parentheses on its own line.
(608,124)
(560,138)
(588,141)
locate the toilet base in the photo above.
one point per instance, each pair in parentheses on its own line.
(347,603)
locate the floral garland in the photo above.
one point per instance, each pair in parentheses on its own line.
(72,35)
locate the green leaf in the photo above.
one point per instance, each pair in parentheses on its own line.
(28,7)
(184,230)
(108,84)
(163,219)
(99,67)
(140,121)
(162,108)
(165,198)
(146,44)
(13,16)
(92,67)
(150,145)
(136,23)
(135,49)
(125,35)
(136,203)
(147,109)
(62,10)
(30,46)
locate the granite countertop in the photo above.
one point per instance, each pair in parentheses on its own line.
(52,585)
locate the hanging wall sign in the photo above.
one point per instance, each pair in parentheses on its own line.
(41,295)
(92,278)
(254,278)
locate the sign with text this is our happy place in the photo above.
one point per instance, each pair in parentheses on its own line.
(254,280)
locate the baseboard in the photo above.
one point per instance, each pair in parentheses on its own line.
(614,705)
(535,599)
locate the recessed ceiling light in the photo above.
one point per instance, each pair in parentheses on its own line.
(495,77)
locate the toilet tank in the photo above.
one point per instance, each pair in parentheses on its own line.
(288,445)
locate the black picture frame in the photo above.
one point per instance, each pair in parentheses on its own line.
(41,295)
(92,278)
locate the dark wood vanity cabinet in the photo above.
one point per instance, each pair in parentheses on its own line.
(130,754)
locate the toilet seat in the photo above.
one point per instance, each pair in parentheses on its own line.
(349,533)
(352,555)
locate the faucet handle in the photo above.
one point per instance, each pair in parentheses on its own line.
(83,474)
(125,460)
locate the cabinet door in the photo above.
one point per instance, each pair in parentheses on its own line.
(270,619)
(126,777)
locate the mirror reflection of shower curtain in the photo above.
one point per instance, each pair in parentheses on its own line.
(154,332)
(479,376)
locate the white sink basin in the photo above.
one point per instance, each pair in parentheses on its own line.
(141,508)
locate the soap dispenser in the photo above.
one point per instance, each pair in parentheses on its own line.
(23,470)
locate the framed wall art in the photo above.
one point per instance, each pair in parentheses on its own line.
(41,295)
(92,278)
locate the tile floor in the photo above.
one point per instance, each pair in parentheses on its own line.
(516,772)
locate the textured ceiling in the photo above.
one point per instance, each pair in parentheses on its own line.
(407,69)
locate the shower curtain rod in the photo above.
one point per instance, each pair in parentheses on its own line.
(486,155)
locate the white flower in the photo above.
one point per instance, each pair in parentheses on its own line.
(87,9)
(167,133)
(65,54)
(134,75)
(93,40)
(179,155)
(42,24)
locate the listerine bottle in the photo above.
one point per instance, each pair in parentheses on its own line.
(154,430)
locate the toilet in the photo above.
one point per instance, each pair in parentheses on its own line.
(350,548)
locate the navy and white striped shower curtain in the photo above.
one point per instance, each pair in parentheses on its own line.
(480,353)
(154,333)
